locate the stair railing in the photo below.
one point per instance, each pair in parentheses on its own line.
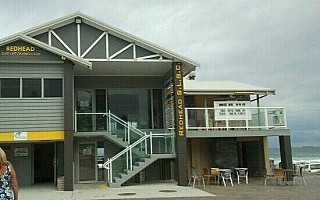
(112,123)
(130,131)
(128,151)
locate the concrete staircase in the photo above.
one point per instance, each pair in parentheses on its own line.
(136,168)
(107,135)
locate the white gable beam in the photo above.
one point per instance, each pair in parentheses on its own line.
(62,42)
(122,50)
(134,52)
(93,44)
(78,40)
(147,57)
(107,45)
(49,37)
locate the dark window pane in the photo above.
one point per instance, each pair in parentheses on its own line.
(31,87)
(53,87)
(132,106)
(10,88)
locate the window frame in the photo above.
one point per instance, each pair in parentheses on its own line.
(43,87)
(23,89)
(1,78)
(42,92)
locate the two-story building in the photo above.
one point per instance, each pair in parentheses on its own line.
(89,102)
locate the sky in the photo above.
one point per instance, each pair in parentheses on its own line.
(268,43)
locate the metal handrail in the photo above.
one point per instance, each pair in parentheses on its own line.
(112,117)
(108,165)
(142,137)
(125,124)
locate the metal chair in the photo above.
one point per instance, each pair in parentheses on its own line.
(194,177)
(242,173)
(226,175)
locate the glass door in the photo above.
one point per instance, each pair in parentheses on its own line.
(84,105)
(87,162)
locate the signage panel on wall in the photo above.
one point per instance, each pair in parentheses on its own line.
(232,110)
(20,152)
(179,100)
(19,50)
(20,135)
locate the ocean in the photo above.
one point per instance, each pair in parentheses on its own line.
(306,153)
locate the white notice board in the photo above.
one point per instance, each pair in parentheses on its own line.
(232,110)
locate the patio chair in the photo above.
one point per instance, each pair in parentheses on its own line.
(226,175)
(242,173)
(215,173)
(298,172)
(194,177)
(265,176)
(206,174)
(280,176)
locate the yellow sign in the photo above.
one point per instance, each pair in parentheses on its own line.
(16,50)
(20,48)
(31,136)
(179,100)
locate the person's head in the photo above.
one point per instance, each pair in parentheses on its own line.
(3,158)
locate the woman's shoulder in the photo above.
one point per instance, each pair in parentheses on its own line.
(9,165)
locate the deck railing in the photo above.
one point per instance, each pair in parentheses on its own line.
(236,118)
(160,142)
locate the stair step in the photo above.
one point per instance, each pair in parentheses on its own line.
(122,175)
(139,163)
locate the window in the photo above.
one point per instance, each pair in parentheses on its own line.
(10,88)
(132,105)
(52,87)
(31,87)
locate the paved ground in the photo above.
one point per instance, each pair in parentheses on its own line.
(161,191)
(255,190)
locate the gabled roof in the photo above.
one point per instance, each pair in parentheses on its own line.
(224,87)
(46,47)
(112,30)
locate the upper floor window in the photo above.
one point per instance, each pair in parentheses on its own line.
(10,87)
(52,87)
(31,87)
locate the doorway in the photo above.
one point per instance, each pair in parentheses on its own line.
(43,163)
(87,162)
(252,156)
